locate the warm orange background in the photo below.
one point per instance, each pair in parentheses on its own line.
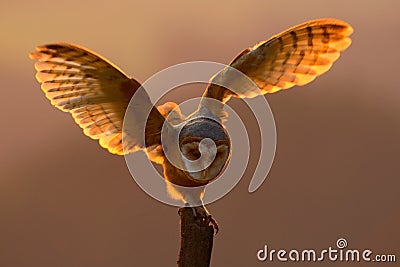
(64,201)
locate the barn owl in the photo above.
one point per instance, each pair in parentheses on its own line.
(97,93)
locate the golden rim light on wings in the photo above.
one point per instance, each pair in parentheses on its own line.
(95,92)
(293,57)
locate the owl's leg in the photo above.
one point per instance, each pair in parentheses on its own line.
(193,199)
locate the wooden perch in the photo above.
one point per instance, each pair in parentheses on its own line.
(196,240)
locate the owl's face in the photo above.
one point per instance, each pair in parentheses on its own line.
(205,147)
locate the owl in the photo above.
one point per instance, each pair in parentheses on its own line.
(97,93)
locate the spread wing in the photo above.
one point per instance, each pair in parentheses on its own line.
(294,57)
(97,94)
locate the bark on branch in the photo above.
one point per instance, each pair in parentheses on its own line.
(196,240)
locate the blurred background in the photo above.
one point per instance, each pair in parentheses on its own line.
(65,201)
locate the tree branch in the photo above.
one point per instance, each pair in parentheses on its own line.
(196,240)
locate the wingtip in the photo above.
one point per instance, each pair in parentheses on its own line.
(347,28)
(41,49)
(33,55)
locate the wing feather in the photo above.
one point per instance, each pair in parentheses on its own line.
(97,94)
(293,57)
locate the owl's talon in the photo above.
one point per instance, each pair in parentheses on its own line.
(213,222)
(202,214)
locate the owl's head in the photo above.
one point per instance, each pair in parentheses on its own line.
(205,147)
